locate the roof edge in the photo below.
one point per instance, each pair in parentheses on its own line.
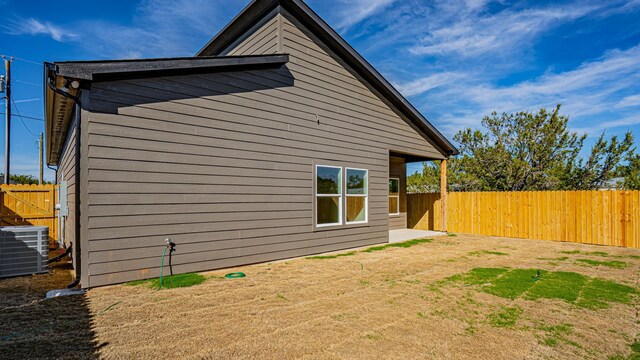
(247,17)
(96,70)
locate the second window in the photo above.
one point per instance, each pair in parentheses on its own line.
(342,196)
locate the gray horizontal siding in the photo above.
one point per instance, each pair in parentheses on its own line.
(223,163)
(398,221)
(310,58)
(67,172)
(264,40)
(333,119)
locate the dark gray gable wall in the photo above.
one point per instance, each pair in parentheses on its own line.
(264,38)
(222,163)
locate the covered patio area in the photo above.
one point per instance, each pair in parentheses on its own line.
(398,197)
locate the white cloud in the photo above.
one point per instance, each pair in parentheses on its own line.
(354,11)
(31,26)
(427,83)
(606,125)
(158,28)
(589,94)
(628,101)
(480,33)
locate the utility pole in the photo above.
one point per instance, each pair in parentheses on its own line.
(7,112)
(40,148)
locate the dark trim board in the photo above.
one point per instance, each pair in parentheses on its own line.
(137,68)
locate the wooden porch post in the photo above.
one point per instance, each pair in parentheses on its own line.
(443,193)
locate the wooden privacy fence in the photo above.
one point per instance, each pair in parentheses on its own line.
(29,205)
(609,217)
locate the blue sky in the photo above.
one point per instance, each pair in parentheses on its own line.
(456,61)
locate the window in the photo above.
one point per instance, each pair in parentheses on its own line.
(328,195)
(356,195)
(394,196)
(335,206)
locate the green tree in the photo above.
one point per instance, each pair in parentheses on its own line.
(526,151)
(602,165)
(631,172)
(23,179)
(429,179)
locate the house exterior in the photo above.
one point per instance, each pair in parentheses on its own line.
(276,140)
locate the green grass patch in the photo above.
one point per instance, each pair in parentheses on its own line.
(574,288)
(170,282)
(556,334)
(486,252)
(512,284)
(452,234)
(612,264)
(592,253)
(479,276)
(598,253)
(561,258)
(506,317)
(598,293)
(137,282)
(405,244)
(558,285)
(322,257)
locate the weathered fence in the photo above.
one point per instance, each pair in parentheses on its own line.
(29,205)
(609,217)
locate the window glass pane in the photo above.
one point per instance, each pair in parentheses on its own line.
(393,186)
(328,210)
(393,205)
(328,180)
(356,181)
(356,208)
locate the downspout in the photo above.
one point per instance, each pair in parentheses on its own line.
(55,172)
(77,113)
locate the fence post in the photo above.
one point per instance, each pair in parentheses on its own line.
(443,193)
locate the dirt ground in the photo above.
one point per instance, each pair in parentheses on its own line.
(383,304)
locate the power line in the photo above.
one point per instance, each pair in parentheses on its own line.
(28,117)
(28,61)
(21,119)
(28,83)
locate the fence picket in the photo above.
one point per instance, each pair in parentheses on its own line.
(29,205)
(609,217)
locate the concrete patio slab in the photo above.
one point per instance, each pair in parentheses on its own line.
(410,234)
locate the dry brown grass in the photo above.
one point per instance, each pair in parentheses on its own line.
(370,305)
(34,328)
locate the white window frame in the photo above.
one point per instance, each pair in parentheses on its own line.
(366,197)
(396,196)
(340,196)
